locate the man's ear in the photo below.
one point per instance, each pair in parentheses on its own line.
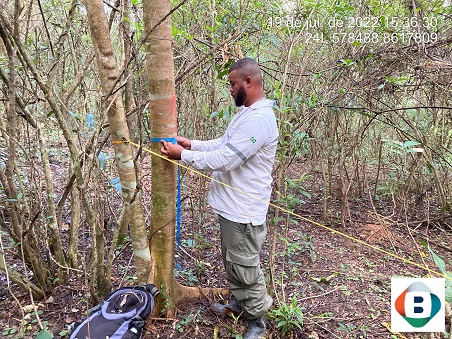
(248,81)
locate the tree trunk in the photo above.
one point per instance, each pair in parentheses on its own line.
(9,177)
(162,105)
(128,88)
(108,73)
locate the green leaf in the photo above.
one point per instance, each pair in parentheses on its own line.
(438,261)
(325,279)
(277,219)
(223,69)
(175,31)
(449,294)
(222,73)
(347,62)
(397,81)
(449,279)
(410,143)
(306,194)
(313,256)
(211,29)
(44,334)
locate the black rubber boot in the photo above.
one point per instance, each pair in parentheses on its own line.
(256,329)
(232,308)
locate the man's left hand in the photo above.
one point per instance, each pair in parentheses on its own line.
(171,151)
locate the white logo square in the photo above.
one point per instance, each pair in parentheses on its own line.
(417,304)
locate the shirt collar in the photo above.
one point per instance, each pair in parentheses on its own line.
(262,103)
(258,104)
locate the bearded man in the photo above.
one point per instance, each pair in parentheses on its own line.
(242,158)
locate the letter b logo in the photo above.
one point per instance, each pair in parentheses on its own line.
(415,307)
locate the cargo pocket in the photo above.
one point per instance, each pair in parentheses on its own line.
(241,267)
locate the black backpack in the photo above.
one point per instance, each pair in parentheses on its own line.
(121,315)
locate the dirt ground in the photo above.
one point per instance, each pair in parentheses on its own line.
(343,293)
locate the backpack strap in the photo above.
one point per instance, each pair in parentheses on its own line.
(136,326)
(152,289)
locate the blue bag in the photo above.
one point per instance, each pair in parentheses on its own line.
(121,315)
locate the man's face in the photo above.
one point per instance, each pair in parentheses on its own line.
(237,88)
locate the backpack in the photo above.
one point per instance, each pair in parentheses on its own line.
(121,315)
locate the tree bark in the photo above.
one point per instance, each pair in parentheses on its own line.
(108,73)
(163,121)
(18,229)
(58,111)
(128,88)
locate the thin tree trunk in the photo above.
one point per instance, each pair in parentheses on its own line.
(128,89)
(67,133)
(17,278)
(108,73)
(74,228)
(20,229)
(55,243)
(128,97)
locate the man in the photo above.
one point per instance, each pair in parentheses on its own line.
(243,159)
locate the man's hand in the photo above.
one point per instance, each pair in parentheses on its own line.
(171,151)
(184,142)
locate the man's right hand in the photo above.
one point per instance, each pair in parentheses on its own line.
(184,142)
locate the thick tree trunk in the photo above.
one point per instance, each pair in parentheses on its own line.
(108,73)
(162,104)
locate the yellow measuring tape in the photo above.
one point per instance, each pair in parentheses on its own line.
(283,209)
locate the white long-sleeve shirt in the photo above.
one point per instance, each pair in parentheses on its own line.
(242,158)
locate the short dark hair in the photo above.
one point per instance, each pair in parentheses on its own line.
(247,67)
(245,62)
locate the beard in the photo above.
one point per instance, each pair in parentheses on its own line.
(240,97)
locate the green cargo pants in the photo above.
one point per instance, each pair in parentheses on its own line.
(240,248)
